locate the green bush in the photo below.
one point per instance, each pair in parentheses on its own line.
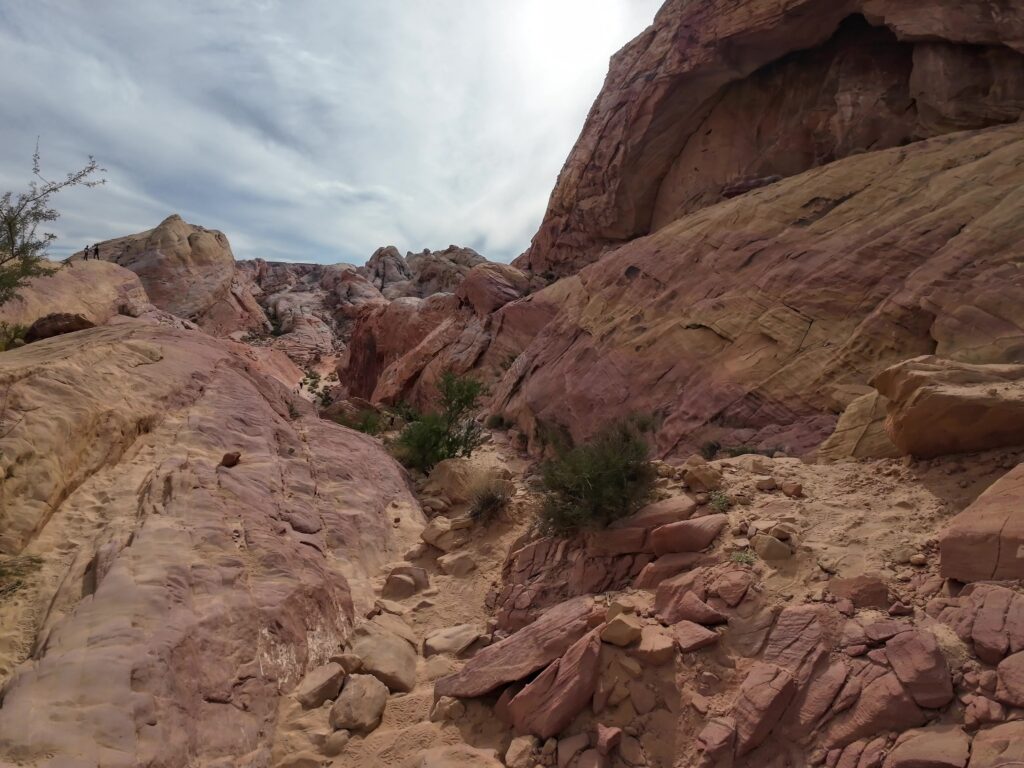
(710,450)
(593,484)
(366,421)
(489,500)
(496,421)
(743,557)
(10,333)
(449,434)
(719,501)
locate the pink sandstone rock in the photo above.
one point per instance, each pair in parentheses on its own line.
(551,701)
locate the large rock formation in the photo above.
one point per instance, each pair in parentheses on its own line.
(745,322)
(201,540)
(94,290)
(419,274)
(190,272)
(717,98)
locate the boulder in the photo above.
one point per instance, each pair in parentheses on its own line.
(918,662)
(520,752)
(692,637)
(320,685)
(386,656)
(551,701)
(986,540)
(656,646)
(441,533)
(943,746)
(459,756)
(360,706)
(457,564)
(687,535)
(883,705)
(860,432)
(523,653)
(451,640)
(666,567)
(765,694)
(488,287)
(940,406)
(622,630)
(671,510)
(689,607)
(1010,688)
(1002,745)
(865,591)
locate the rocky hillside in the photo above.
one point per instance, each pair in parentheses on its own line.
(790,233)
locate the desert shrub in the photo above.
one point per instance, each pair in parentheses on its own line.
(710,449)
(743,557)
(489,499)
(448,434)
(10,333)
(23,247)
(594,483)
(367,421)
(496,421)
(719,501)
(405,411)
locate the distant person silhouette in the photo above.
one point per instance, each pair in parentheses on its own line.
(95,251)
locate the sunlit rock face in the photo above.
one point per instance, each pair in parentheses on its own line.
(190,272)
(717,98)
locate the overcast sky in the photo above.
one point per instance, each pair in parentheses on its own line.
(307,130)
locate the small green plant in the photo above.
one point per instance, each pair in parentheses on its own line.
(592,484)
(743,557)
(293,412)
(405,412)
(14,571)
(366,421)
(710,450)
(496,421)
(719,501)
(449,434)
(11,333)
(489,500)
(275,326)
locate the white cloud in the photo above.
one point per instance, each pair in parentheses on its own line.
(309,129)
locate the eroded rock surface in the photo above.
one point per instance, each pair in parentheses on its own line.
(175,600)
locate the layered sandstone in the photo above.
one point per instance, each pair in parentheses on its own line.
(754,320)
(202,540)
(718,98)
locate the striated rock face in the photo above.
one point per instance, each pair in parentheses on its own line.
(177,597)
(717,98)
(740,322)
(190,272)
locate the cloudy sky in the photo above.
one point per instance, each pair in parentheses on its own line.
(309,130)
